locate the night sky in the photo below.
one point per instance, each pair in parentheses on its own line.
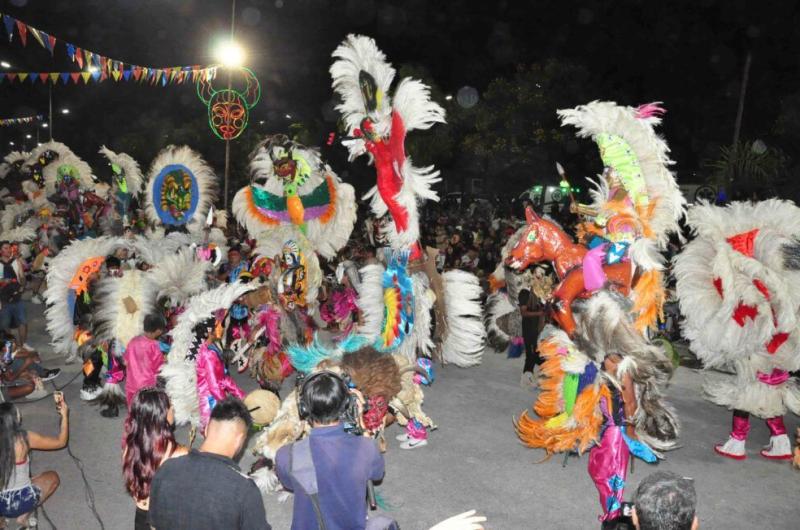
(688,54)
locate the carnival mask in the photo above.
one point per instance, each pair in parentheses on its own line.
(229,108)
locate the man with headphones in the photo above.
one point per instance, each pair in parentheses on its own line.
(328,472)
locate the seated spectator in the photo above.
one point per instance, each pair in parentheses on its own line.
(342,463)
(12,283)
(214,493)
(665,501)
(21,494)
(23,359)
(149,440)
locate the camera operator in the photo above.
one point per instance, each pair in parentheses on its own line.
(329,471)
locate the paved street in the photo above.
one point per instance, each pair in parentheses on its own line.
(472,461)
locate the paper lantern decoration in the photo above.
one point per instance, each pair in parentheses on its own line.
(229,108)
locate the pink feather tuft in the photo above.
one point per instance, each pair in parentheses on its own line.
(270,319)
(650,110)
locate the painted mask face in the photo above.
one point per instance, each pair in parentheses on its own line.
(227,114)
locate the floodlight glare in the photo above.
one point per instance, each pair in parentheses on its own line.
(230,54)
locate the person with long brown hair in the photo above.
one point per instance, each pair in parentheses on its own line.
(20,493)
(149,440)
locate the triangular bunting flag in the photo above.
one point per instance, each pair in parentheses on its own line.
(54,78)
(64,77)
(37,36)
(51,43)
(126,74)
(116,75)
(23,32)
(103,74)
(8,22)
(33,76)
(2,77)
(75,76)
(11,76)
(22,76)
(71,51)
(136,73)
(86,76)
(95,75)
(88,57)
(79,57)
(43,77)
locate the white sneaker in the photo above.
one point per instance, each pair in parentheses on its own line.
(38,393)
(779,448)
(402,437)
(413,444)
(733,448)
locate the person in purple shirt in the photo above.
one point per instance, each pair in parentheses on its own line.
(343,462)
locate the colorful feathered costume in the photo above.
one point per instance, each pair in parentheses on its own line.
(603,381)
(378,123)
(292,187)
(126,183)
(738,283)
(180,188)
(194,374)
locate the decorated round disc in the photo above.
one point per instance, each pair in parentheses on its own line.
(175,194)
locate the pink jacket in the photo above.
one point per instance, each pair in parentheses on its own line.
(213,382)
(143,358)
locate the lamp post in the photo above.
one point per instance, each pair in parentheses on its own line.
(231,55)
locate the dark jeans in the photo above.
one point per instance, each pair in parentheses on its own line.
(532,356)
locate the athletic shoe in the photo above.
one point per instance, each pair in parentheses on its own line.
(402,437)
(413,444)
(38,393)
(49,375)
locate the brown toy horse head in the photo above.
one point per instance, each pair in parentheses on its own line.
(544,241)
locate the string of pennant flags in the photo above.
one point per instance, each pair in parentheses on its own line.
(4,122)
(171,76)
(101,68)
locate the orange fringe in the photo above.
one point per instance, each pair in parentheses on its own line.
(583,425)
(648,302)
(331,211)
(495,284)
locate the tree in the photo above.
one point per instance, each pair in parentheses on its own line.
(748,167)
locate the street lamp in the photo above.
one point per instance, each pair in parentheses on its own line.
(64,111)
(92,69)
(288,116)
(448,97)
(230,54)
(10,143)
(28,136)
(45,126)
(5,64)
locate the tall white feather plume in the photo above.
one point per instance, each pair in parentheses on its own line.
(599,117)
(355,54)
(113,317)
(179,372)
(206,180)
(133,174)
(466,336)
(178,276)
(710,261)
(63,267)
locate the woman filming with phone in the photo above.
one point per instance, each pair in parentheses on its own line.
(21,494)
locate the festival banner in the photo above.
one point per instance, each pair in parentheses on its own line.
(93,60)
(5,122)
(153,77)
